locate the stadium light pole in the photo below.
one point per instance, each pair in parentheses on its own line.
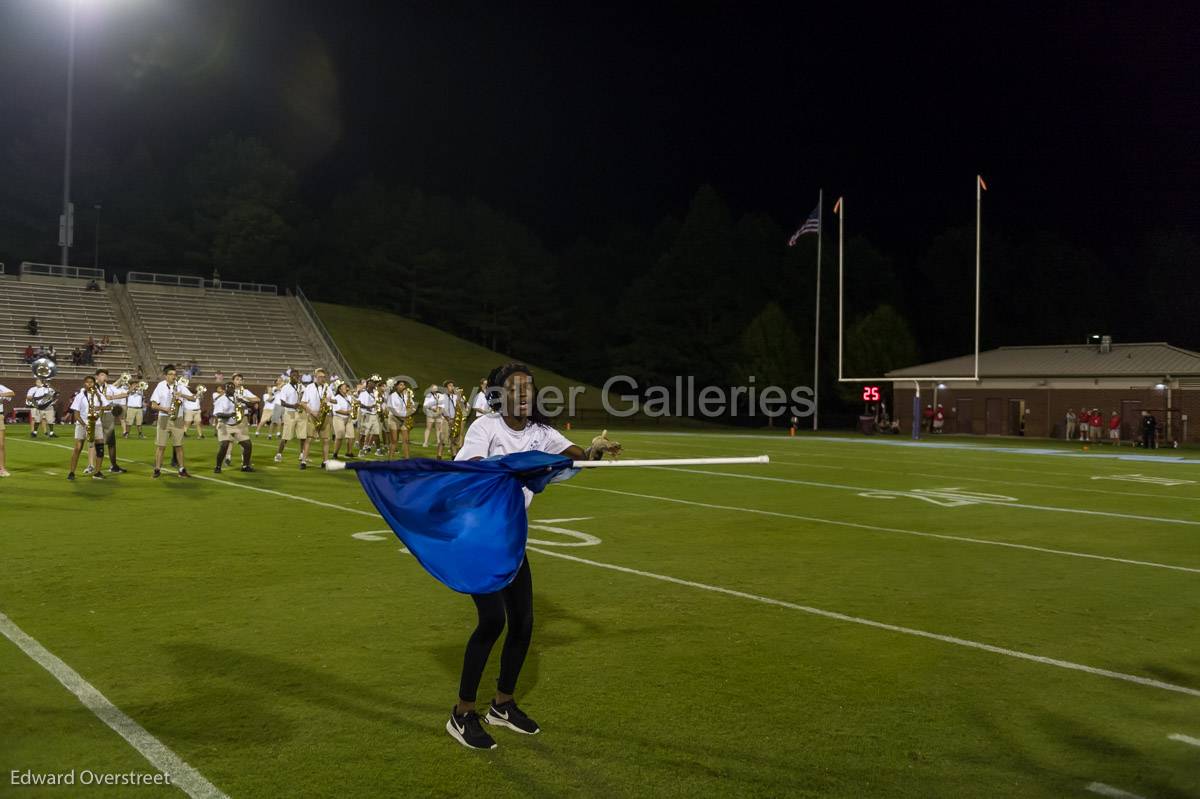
(817,313)
(66,222)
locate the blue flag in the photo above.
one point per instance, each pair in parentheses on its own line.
(464,521)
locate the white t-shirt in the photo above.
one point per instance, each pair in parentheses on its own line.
(222,404)
(134,400)
(366,401)
(489,436)
(397,405)
(311,397)
(191,404)
(289,395)
(480,404)
(83,403)
(341,405)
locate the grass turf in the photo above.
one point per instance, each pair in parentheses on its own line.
(278,654)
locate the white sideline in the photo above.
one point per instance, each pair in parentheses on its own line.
(183,776)
(1185,739)
(829,614)
(1108,790)
(814,484)
(876,528)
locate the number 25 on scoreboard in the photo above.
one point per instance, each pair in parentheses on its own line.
(870,394)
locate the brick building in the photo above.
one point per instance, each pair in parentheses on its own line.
(1027,390)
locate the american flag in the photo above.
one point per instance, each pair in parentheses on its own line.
(811,225)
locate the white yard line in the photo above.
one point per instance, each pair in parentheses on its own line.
(1185,739)
(1049,508)
(183,776)
(1107,790)
(829,614)
(880,529)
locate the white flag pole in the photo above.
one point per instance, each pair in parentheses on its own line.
(978,226)
(817,313)
(840,210)
(335,466)
(673,462)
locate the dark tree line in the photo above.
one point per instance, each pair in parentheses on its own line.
(708,293)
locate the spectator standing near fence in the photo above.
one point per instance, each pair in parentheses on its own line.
(1072,423)
(1114,428)
(1084,424)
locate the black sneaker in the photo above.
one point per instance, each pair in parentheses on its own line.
(511,716)
(33,434)
(52,434)
(184,473)
(117,470)
(303,465)
(467,730)
(97,475)
(157,473)
(70,475)
(247,468)
(217,470)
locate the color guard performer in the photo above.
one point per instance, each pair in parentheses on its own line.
(167,399)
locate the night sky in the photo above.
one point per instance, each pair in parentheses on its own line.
(1083,120)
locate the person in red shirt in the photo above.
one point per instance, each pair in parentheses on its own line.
(939,418)
(1114,428)
(927,418)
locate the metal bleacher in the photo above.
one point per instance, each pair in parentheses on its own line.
(254,332)
(67,313)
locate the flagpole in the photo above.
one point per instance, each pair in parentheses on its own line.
(817,313)
(673,462)
(978,224)
(841,212)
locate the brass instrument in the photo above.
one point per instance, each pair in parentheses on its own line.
(410,419)
(239,405)
(382,410)
(45,368)
(93,400)
(460,415)
(325,408)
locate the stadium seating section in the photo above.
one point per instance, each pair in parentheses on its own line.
(66,316)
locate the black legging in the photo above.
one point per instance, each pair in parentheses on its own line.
(516,602)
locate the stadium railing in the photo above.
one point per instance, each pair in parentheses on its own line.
(311,312)
(158,279)
(29,269)
(233,285)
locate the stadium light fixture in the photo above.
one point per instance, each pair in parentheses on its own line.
(1161,386)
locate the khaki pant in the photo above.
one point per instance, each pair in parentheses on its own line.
(442,426)
(45,415)
(133,416)
(168,431)
(228,431)
(342,427)
(295,425)
(191,418)
(430,424)
(368,424)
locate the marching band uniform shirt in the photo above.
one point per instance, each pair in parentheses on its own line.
(164,395)
(481,404)
(448,406)
(311,397)
(341,405)
(191,404)
(269,401)
(83,404)
(36,393)
(222,405)
(288,395)
(432,404)
(397,405)
(366,401)
(134,400)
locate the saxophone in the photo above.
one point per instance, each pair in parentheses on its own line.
(239,405)
(93,414)
(323,412)
(408,406)
(460,414)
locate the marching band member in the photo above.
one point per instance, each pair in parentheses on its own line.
(433,414)
(340,423)
(243,396)
(226,403)
(86,408)
(191,416)
(134,410)
(479,402)
(368,417)
(430,411)
(458,421)
(110,395)
(393,414)
(169,426)
(40,417)
(295,418)
(6,394)
(312,398)
(268,409)
(446,406)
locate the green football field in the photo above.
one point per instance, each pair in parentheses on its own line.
(857,618)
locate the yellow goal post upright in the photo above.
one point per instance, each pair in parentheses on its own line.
(840,209)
